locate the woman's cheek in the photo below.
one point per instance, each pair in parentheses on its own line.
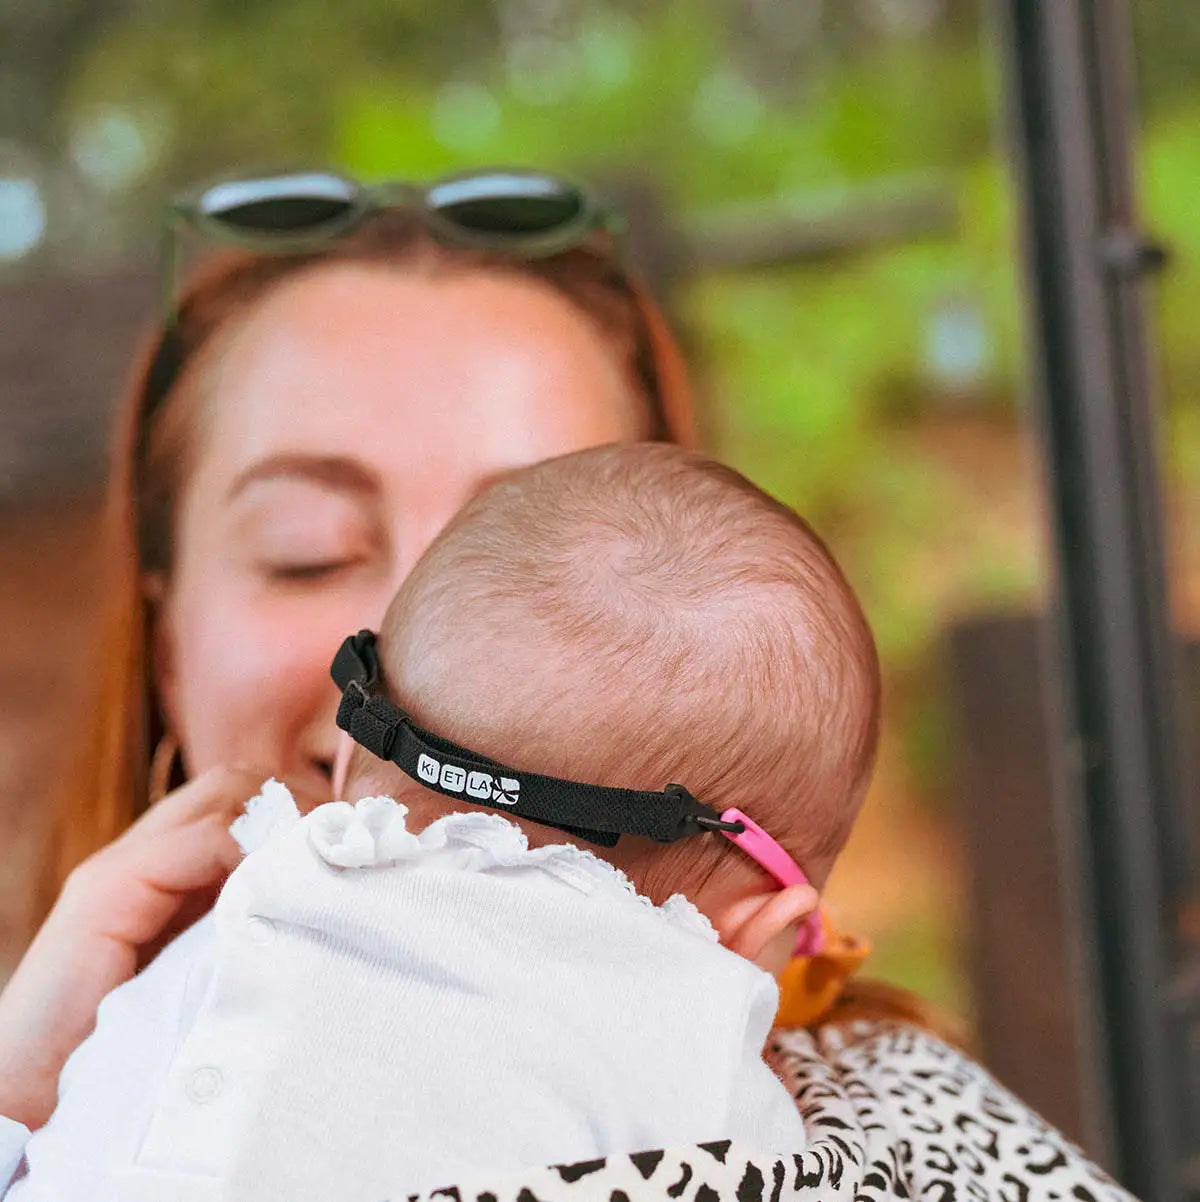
(251,676)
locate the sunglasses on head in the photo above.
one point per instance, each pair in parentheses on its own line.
(527,214)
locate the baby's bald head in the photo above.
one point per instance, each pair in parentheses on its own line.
(638,615)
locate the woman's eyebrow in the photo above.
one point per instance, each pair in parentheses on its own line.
(344,475)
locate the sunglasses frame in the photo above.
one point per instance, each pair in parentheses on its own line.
(197,209)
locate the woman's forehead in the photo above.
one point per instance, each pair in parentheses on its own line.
(466,370)
(409,315)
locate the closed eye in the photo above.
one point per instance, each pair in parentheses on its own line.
(298,572)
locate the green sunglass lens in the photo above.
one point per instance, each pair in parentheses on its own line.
(289,205)
(507,205)
(284,216)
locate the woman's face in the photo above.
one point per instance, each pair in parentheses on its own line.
(345,421)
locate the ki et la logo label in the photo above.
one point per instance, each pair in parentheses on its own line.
(483,786)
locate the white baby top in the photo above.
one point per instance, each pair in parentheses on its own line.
(383,1011)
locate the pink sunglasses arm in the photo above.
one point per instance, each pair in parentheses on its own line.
(768,854)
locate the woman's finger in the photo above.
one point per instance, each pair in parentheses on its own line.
(220,790)
(132,889)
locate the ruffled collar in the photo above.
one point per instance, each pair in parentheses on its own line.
(373,833)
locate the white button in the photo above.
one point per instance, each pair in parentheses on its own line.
(204,1084)
(260,930)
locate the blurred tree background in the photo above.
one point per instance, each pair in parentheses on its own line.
(825,196)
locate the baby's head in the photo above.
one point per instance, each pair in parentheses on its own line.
(635,616)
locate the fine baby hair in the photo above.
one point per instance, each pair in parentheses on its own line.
(629,640)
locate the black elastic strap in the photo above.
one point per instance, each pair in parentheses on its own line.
(596,813)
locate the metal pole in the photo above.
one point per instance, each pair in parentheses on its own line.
(1069,74)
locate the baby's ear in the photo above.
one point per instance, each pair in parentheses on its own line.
(762,926)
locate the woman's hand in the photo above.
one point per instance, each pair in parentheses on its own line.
(116,910)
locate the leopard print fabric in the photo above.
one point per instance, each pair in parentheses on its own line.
(890,1111)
